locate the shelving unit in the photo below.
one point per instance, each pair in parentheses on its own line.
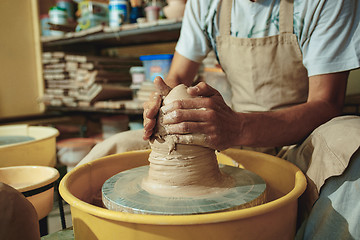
(129,40)
(93,41)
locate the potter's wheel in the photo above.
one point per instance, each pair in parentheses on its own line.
(182,178)
(123,192)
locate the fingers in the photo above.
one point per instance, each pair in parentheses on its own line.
(194,103)
(193,139)
(149,126)
(161,86)
(193,115)
(206,98)
(188,127)
(152,106)
(151,109)
(201,140)
(182,116)
(202,89)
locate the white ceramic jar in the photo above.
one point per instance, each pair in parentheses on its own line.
(57,16)
(118,12)
(175,9)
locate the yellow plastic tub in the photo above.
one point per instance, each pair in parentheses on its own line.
(81,188)
(35,182)
(41,151)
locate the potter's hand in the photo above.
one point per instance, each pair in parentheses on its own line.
(210,121)
(151,107)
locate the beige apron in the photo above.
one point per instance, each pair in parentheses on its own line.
(268,74)
(264,73)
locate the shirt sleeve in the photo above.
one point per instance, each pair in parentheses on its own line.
(193,43)
(330,40)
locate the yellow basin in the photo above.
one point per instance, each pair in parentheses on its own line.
(276,219)
(35,182)
(40,151)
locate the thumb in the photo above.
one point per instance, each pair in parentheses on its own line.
(202,89)
(161,86)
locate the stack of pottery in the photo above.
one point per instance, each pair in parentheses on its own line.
(174,9)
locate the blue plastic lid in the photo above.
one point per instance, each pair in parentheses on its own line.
(156,57)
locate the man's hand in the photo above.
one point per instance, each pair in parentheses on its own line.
(151,107)
(207,117)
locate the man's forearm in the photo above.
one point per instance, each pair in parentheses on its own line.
(283,127)
(182,70)
(292,125)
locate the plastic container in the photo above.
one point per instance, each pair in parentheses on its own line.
(68,5)
(152,13)
(118,12)
(35,182)
(93,8)
(40,151)
(156,65)
(135,13)
(89,21)
(275,219)
(137,75)
(44,23)
(72,151)
(57,16)
(175,9)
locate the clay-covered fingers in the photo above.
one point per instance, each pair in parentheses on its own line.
(193,127)
(201,140)
(205,116)
(198,103)
(194,139)
(151,109)
(186,115)
(152,106)
(161,86)
(202,89)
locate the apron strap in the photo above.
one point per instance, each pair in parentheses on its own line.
(225,17)
(286,16)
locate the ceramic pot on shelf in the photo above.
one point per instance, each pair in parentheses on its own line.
(175,9)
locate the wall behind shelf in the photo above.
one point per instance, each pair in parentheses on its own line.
(21,84)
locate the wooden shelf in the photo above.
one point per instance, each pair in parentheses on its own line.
(50,109)
(104,37)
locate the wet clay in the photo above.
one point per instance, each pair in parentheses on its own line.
(182,169)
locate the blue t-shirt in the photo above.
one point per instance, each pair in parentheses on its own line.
(328,32)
